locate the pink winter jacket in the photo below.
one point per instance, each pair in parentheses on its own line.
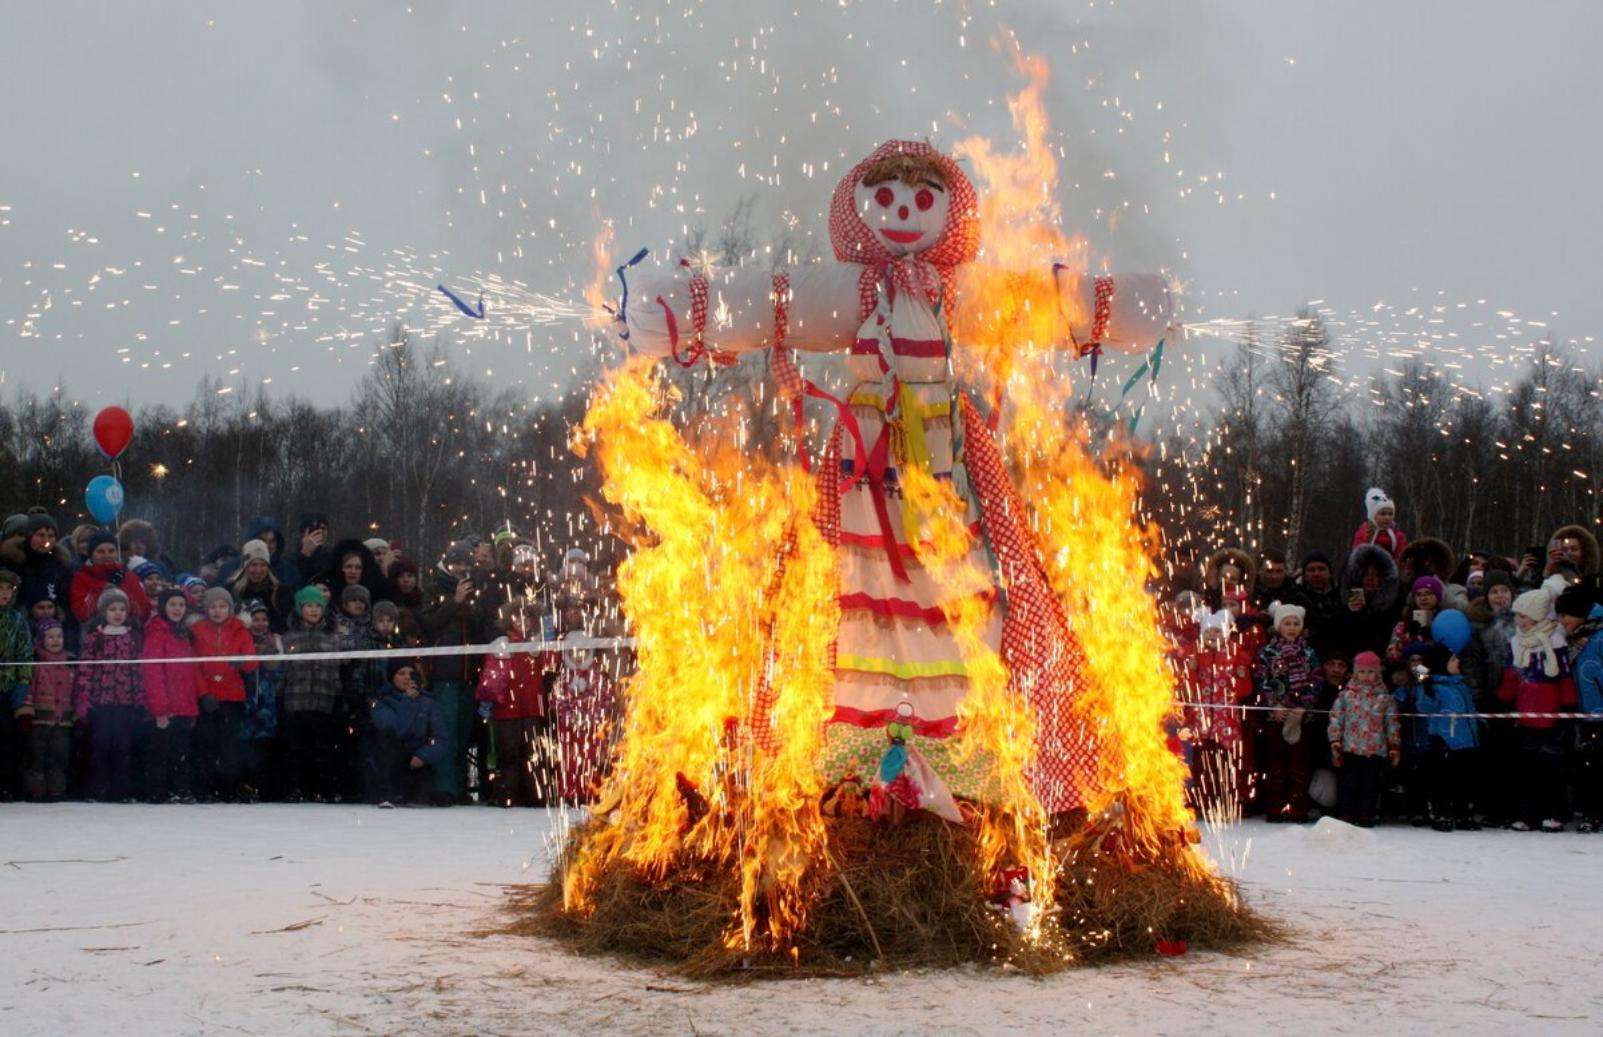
(171,689)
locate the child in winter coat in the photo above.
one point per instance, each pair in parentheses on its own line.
(16,646)
(408,740)
(1216,672)
(353,628)
(513,688)
(217,744)
(311,694)
(50,712)
(1364,735)
(260,725)
(172,698)
(1454,741)
(1537,680)
(1286,679)
(1380,528)
(1424,602)
(109,696)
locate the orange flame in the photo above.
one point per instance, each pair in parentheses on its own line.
(1097,552)
(709,618)
(595,293)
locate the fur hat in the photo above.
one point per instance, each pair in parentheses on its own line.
(308,595)
(215,594)
(356,592)
(1375,500)
(1281,610)
(376,544)
(1366,660)
(1536,604)
(1497,578)
(256,551)
(1429,583)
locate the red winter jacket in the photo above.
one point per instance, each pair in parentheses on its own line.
(1389,539)
(513,684)
(171,689)
(222,681)
(89,582)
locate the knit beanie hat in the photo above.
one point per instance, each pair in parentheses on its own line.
(170,592)
(386,608)
(38,521)
(256,551)
(108,597)
(10,578)
(14,525)
(1575,601)
(501,536)
(1429,583)
(253,606)
(215,594)
(397,665)
(308,595)
(1376,499)
(100,536)
(1315,555)
(44,626)
(1536,604)
(355,591)
(1497,578)
(1280,610)
(1366,660)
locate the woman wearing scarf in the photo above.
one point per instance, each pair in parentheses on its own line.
(1537,680)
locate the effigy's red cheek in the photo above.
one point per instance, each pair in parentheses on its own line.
(924,199)
(884,196)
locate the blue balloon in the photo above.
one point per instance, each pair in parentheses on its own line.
(1451,629)
(104,498)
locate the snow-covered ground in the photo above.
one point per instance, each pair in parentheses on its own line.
(305,919)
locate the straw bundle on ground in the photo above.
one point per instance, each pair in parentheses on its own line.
(905,896)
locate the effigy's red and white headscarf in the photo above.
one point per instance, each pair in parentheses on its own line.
(930,271)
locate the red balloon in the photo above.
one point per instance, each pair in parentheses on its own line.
(114,430)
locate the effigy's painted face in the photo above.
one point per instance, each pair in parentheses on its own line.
(906,218)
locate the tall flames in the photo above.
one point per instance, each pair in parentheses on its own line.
(717,621)
(713,618)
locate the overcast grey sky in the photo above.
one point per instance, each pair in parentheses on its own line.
(191,188)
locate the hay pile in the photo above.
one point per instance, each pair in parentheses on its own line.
(908,896)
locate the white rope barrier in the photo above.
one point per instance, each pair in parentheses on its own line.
(501,648)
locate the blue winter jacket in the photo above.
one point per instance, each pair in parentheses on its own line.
(415,722)
(1446,694)
(1588,670)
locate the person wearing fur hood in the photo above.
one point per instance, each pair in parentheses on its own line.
(1370,584)
(1570,548)
(1538,681)
(1380,528)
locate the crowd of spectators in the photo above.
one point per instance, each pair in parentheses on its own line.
(1348,686)
(125,678)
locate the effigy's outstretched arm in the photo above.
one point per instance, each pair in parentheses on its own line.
(1124,312)
(813,307)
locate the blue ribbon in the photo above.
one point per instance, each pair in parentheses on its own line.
(464,307)
(623,304)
